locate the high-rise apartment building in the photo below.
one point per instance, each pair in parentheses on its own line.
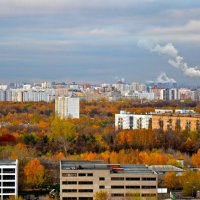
(67,107)
(9,178)
(80,180)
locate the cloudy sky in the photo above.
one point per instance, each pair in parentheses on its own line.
(98,40)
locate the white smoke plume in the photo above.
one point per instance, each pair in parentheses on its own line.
(163,78)
(173,57)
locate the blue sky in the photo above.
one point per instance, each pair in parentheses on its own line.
(96,40)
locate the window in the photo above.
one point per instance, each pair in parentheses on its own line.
(161,124)
(9,170)
(188,125)
(7,191)
(82,174)
(69,174)
(132,187)
(148,186)
(102,178)
(117,178)
(133,178)
(8,177)
(69,190)
(117,195)
(9,184)
(131,122)
(85,182)
(148,179)
(90,174)
(69,198)
(85,190)
(117,187)
(69,182)
(85,198)
(148,195)
(102,187)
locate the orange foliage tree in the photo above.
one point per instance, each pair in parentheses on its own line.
(34,173)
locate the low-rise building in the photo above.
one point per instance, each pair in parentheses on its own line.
(80,180)
(126,120)
(190,122)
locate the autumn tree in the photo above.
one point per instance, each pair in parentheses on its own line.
(63,132)
(34,174)
(196,159)
(171,180)
(101,195)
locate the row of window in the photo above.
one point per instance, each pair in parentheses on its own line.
(7,177)
(113,187)
(103,178)
(75,174)
(7,184)
(74,190)
(7,170)
(113,195)
(8,190)
(75,182)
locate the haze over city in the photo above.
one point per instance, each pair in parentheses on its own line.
(97,41)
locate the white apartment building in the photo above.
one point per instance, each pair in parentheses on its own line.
(8,178)
(125,120)
(67,107)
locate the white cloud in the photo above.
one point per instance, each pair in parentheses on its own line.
(189,32)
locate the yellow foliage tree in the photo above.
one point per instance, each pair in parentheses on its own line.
(196,159)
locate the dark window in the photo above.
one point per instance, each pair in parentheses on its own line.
(117,178)
(69,198)
(82,174)
(69,190)
(85,190)
(131,122)
(85,182)
(132,187)
(133,178)
(9,184)
(117,195)
(148,179)
(117,186)
(6,191)
(161,123)
(101,187)
(8,170)
(8,177)
(148,195)
(102,178)
(69,182)
(89,174)
(133,195)
(85,198)
(148,186)
(69,174)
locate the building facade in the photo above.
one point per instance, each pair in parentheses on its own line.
(8,178)
(125,120)
(67,107)
(80,180)
(176,122)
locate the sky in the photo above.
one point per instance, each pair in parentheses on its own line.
(99,41)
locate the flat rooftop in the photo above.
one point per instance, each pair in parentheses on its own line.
(8,162)
(101,165)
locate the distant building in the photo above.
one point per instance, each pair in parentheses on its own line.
(176,122)
(67,107)
(125,120)
(80,180)
(9,178)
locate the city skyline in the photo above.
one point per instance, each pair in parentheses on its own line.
(97,41)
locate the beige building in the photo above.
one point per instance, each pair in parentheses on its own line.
(80,180)
(189,122)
